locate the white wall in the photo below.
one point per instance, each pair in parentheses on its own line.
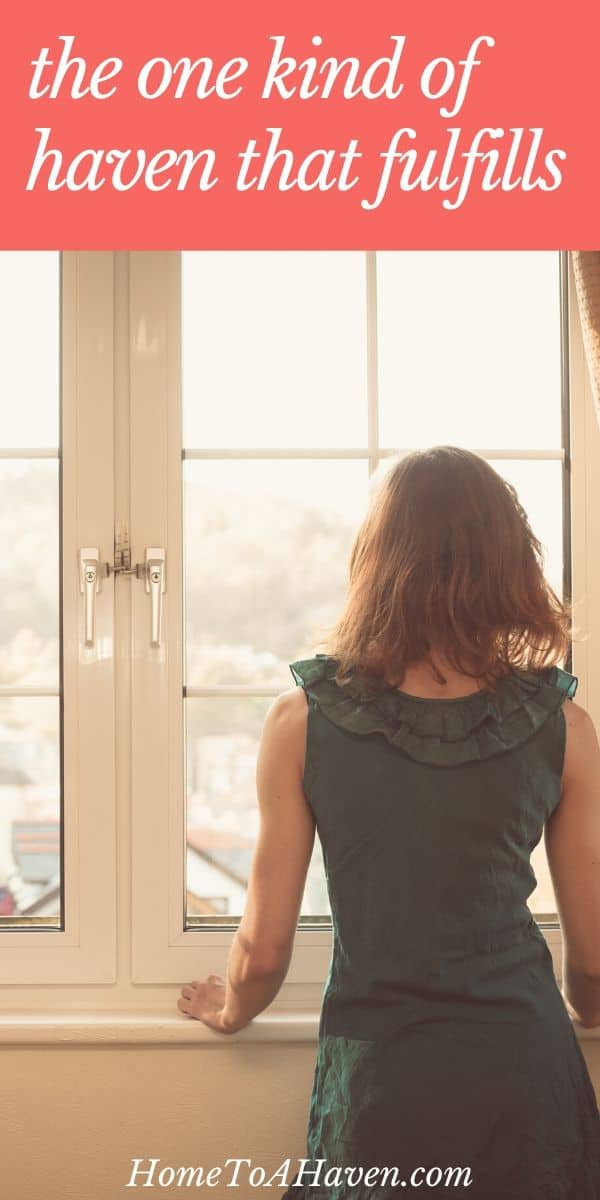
(73,1118)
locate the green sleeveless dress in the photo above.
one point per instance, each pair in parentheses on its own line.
(444,1041)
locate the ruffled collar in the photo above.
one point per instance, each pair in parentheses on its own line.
(441,732)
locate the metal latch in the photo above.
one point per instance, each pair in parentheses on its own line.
(91,571)
(152,570)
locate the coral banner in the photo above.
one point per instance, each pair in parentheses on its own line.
(390,125)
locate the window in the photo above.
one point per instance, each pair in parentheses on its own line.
(57,786)
(30,709)
(228,410)
(300,374)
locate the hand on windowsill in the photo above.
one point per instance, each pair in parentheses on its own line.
(205,1001)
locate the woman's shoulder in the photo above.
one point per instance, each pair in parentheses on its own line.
(577,715)
(581,740)
(283,736)
(439,732)
(288,709)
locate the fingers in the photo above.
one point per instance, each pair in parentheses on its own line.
(195,993)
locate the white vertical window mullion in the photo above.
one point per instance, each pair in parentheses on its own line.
(151,752)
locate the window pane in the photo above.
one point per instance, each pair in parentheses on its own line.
(469,347)
(29,807)
(542,899)
(469,354)
(30,726)
(273,349)
(222,812)
(29,573)
(29,348)
(266,559)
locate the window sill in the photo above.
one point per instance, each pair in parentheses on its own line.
(163,1029)
(145,1028)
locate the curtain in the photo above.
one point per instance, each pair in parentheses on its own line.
(586,266)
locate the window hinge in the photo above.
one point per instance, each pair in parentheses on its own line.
(122,554)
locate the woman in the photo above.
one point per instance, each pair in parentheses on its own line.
(432,745)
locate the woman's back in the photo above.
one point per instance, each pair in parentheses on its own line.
(444,1039)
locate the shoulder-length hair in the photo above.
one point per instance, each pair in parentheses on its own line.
(445,564)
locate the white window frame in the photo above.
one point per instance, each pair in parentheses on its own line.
(120,341)
(84,952)
(161,950)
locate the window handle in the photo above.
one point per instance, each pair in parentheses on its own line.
(155,583)
(91,570)
(152,570)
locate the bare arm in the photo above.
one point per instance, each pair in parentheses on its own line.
(572,838)
(262,947)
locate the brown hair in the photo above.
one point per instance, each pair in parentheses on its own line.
(445,562)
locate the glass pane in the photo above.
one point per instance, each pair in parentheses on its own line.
(29,348)
(273,349)
(222,812)
(539,488)
(469,346)
(29,807)
(266,560)
(542,899)
(29,573)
